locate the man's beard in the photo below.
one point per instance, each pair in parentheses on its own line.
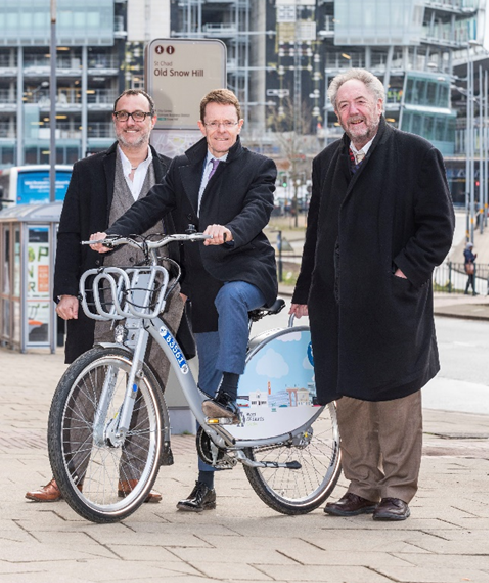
(370,129)
(142,139)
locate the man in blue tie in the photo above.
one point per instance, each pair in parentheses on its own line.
(223,190)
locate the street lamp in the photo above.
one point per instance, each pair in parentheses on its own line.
(469,163)
(52,108)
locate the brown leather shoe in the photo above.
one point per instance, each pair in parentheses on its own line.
(391,509)
(127,486)
(48,493)
(350,505)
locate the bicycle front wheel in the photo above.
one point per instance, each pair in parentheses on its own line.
(103,476)
(298,491)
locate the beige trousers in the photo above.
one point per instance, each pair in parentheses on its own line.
(381,446)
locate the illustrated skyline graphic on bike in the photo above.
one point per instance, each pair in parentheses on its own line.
(279,376)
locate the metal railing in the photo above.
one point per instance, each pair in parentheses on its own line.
(69,96)
(7,96)
(7,130)
(451,278)
(101,130)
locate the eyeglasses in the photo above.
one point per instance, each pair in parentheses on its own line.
(213,125)
(136,115)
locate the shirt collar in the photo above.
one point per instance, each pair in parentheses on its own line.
(364,149)
(126,165)
(210,156)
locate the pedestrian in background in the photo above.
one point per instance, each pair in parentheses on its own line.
(380,220)
(102,188)
(469,267)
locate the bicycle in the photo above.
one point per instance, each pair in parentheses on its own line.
(109,426)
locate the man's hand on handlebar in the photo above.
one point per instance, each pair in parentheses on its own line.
(219,235)
(99,246)
(298,310)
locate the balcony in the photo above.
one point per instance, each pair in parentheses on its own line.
(445,35)
(64,131)
(220,29)
(328,29)
(97,65)
(7,131)
(455,6)
(8,99)
(70,99)
(102,99)
(119,27)
(101,130)
(7,70)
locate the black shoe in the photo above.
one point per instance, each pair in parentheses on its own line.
(201,498)
(350,505)
(222,407)
(391,509)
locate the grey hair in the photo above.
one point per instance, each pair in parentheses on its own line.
(370,81)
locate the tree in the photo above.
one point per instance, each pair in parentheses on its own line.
(296,145)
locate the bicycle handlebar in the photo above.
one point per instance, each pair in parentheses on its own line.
(114,240)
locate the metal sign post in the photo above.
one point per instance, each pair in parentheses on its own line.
(178,73)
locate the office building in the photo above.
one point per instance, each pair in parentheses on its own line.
(91,67)
(281,56)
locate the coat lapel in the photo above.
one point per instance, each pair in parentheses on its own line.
(109,163)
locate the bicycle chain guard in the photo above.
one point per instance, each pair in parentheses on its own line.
(210,454)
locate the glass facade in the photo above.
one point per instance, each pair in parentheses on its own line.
(426,90)
(90,22)
(379,22)
(426,110)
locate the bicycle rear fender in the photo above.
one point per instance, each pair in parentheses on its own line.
(277,391)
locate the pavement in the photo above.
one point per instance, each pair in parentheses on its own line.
(444,541)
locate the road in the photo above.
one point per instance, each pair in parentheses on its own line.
(463,382)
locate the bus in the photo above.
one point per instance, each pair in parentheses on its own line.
(30,184)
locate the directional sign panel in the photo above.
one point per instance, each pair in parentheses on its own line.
(178,73)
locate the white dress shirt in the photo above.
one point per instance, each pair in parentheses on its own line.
(136,183)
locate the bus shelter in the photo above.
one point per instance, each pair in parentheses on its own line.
(27,248)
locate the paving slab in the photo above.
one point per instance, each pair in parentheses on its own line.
(444,541)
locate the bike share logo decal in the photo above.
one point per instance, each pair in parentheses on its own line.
(177,353)
(309,354)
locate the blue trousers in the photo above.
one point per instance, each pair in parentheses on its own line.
(225,350)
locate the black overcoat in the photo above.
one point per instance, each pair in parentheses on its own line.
(85,211)
(373,333)
(239,196)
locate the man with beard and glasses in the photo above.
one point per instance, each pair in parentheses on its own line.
(380,220)
(103,187)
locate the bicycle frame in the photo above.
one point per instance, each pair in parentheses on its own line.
(131,292)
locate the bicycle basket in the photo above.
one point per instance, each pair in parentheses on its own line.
(113,293)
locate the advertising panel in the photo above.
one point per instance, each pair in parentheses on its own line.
(38,298)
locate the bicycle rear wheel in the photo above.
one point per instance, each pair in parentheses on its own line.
(298,491)
(102,477)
